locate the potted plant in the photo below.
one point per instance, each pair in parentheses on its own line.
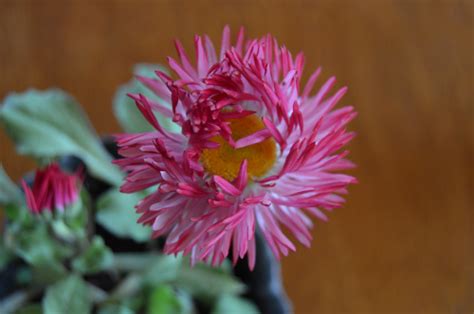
(219,161)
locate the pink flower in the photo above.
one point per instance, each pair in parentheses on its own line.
(254,150)
(52,189)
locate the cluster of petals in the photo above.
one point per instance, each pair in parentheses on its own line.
(205,216)
(52,190)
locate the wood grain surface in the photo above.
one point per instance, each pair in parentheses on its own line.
(404,241)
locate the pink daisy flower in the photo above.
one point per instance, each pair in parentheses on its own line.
(255,149)
(52,189)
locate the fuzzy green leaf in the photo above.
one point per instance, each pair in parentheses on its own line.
(32,242)
(46,124)
(115,309)
(229,304)
(75,217)
(48,273)
(163,300)
(127,113)
(95,258)
(30,309)
(125,305)
(164,268)
(9,191)
(67,296)
(116,213)
(207,283)
(5,255)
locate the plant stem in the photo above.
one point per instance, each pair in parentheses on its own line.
(133,262)
(17,300)
(131,285)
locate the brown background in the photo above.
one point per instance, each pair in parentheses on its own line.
(404,241)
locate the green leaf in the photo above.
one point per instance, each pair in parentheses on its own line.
(115,309)
(9,191)
(14,212)
(75,216)
(229,304)
(67,296)
(163,300)
(186,301)
(127,113)
(46,274)
(116,213)
(61,230)
(134,262)
(30,309)
(166,299)
(127,305)
(164,268)
(5,255)
(14,301)
(32,242)
(207,283)
(154,268)
(50,123)
(96,294)
(95,258)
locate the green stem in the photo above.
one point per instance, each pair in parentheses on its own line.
(133,262)
(17,300)
(131,285)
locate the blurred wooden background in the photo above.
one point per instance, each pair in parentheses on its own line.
(404,241)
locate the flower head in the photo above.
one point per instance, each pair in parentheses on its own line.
(52,189)
(255,149)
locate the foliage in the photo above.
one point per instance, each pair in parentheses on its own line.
(62,258)
(230,304)
(95,258)
(125,110)
(48,124)
(9,192)
(115,213)
(69,295)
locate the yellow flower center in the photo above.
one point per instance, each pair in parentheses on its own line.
(225,160)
